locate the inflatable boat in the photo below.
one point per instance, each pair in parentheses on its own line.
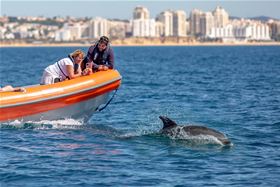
(76,98)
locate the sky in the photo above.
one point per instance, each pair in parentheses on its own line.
(123,9)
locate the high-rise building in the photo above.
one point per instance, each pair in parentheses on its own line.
(179,23)
(206,23)
(195,16)
(159,29)
(221,17)
(142,25)
(275,29)
(98,27)
(188,27)
(166,18)
(141,13)
(143,28)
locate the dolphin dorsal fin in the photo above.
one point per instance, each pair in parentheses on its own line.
(167,122)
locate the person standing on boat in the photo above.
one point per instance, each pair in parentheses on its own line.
(100,56)
(66,68)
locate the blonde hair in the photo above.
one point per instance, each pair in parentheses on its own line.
(77,53)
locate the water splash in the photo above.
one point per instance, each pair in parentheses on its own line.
(44,124)
(142,129)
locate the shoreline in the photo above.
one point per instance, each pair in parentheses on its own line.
(142,44)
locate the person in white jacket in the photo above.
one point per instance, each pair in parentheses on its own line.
(66,68)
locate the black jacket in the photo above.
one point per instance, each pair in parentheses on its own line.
(105,57)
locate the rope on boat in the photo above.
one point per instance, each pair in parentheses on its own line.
(102,108)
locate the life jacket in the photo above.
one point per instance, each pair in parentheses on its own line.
(76,67)
(105,55)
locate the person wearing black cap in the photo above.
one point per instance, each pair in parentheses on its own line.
(100,56)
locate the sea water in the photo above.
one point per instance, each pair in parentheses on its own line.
(233,89)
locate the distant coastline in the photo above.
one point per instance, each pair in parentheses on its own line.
(132,44)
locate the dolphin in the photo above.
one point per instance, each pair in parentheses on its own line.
(171,129)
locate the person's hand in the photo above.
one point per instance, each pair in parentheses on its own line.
(19,89)
(102,68)
(87,71)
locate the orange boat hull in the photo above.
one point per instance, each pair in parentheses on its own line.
(76,98)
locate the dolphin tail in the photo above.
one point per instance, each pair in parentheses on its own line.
(167,123)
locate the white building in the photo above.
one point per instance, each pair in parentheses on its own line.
(141,12)
(3,30)
(117,29)
(195,18)
(75,31)
(179,23)
(142,25)
(221,17)
(69,32)
(206,23)
(159,29)
(188,27)
(244,30)
(98,27)
(144,28)
(225,33)
(166,18)
(275,29)
(62,35)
